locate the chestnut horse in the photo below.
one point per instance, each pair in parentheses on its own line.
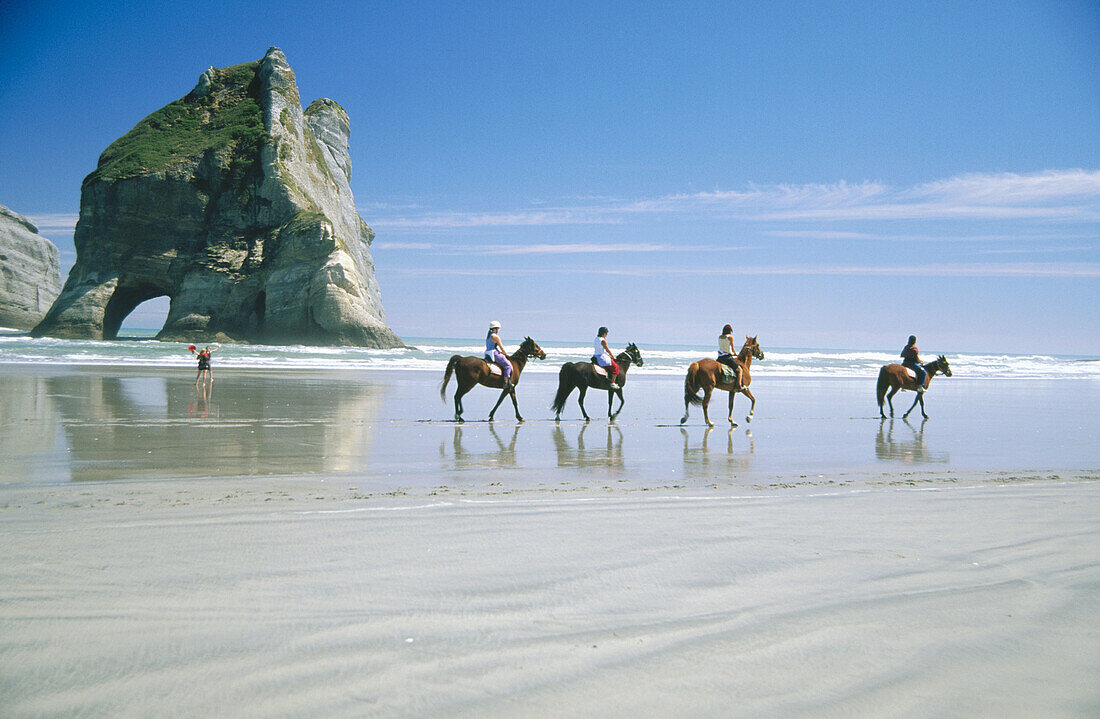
(583,375)
(707,374)
(472,371)
(894,377)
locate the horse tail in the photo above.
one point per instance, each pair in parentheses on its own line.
(691,389)
(883,385)
(447,376)
(565,387)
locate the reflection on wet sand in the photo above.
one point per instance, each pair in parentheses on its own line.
(701,462)
(151,426)
(25,411)
(608,456)
(908,447)
(501,454)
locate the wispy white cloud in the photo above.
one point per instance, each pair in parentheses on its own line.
(54,222)
(565,248)
(1050,195)
(1085,270)
(517,218)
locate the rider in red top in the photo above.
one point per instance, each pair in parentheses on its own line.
(910,357)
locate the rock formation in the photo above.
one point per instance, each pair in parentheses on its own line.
(235,204)
(30,272)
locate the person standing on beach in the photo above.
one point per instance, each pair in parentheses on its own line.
(205,375)
(726,354)
(603,356)
(910,357)
(494,352)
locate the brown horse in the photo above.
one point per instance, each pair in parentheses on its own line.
(472,371)
(707,375)
(894,377)
(583,375)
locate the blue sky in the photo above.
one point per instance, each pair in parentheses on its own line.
(829,174)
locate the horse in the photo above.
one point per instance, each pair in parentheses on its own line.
(583,375)
(706,374)
(472,371)
(894,377)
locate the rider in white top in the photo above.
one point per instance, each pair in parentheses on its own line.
(726,354)
(604,358)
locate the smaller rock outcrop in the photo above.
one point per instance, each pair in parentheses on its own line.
(30,272)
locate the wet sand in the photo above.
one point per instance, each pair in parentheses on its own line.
(328,544)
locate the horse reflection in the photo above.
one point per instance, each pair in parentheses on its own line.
(700,461)
(608,456)
(910,449)
(504,455)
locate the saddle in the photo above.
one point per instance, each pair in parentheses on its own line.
(494,368)
(728,375)
(597,369)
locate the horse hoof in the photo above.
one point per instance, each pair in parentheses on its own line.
(710,424)
(520,419)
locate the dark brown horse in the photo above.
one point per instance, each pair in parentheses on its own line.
(472,371)
(894,377)
(583,375)
(706,374)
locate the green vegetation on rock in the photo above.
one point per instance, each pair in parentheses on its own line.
(288,122)
(228,116)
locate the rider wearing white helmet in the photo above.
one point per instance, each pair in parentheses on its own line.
(494,352)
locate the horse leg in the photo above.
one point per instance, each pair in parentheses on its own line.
(515,405)
(890,399)
(752,407)
(706,405)
(918,399)
(459,391)
(621,403)
(610,400)
(503,394)
(580,401)
(732,394)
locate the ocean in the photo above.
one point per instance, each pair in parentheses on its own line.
(138,349)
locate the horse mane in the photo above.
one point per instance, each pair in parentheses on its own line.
(746,349)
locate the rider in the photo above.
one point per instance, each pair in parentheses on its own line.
(604,358)
(911,358)
(726,355)
(494,352)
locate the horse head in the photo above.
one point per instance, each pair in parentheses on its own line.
(757,353)
(634,354)
(941,361)
(531,349)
